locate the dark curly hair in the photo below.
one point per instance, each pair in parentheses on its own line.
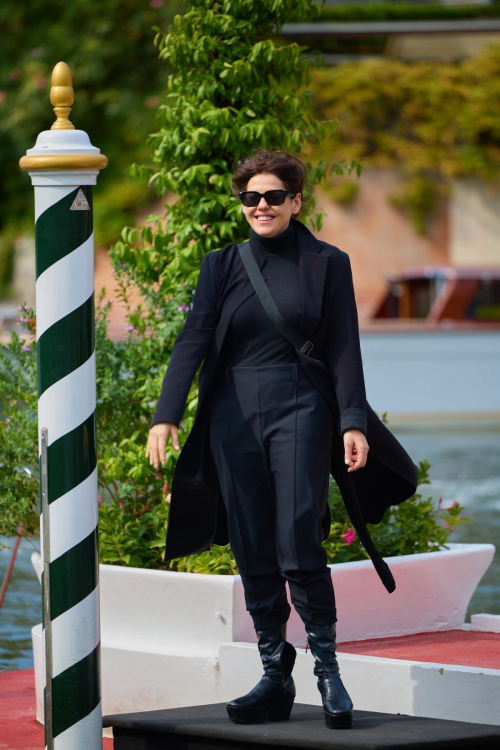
(285,165)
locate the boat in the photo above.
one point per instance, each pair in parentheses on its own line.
(437,295)
(431,338)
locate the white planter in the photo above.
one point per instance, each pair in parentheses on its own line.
(162,631)
(163,609)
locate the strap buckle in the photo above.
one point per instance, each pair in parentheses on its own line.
(308,346)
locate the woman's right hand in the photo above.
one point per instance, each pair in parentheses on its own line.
(157,442)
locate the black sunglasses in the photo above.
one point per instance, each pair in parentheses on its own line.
(272,197)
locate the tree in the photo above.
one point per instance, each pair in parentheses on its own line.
(109,48)
(235,88)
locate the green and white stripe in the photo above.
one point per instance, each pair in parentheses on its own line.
(66,407)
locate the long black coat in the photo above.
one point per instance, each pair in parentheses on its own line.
(197,516)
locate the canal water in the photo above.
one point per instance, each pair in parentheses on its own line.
(465,466)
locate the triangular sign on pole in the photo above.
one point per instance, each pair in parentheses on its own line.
(80,203)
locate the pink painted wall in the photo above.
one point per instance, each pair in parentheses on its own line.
(379,237)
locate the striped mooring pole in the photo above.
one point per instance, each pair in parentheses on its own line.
(63,166)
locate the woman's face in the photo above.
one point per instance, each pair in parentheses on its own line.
(268,221)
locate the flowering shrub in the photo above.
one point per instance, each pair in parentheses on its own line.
(417,525)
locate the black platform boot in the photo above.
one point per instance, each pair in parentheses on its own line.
(272,698)
(337,706)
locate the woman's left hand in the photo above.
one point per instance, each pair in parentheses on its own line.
(356,449)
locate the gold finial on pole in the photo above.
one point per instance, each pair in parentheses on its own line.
(62,96)
(65,151)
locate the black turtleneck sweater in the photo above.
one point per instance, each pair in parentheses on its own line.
(252,338)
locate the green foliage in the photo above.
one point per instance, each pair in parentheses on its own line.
(433,121)
(117,81)
(130,538)
(415,526)
(218,560)
(7,240)
(235,89)
(133,511)
(400,10)
(19,505)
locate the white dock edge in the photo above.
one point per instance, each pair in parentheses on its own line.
(173,639)
(485,623)
(172,679)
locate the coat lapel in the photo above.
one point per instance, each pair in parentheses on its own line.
(312,274)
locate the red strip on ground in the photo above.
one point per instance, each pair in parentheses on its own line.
(19,729)
(466,648)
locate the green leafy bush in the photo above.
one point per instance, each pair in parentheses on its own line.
(19,508)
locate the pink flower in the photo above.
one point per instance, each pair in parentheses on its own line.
(349,537)
(165,487)
(25,348)
(448,507)
(130,328)
(167,499)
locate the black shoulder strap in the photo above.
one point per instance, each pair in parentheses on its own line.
(265,297)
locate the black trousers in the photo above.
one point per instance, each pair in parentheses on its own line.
(270,437)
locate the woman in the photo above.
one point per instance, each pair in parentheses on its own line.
(270,428)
